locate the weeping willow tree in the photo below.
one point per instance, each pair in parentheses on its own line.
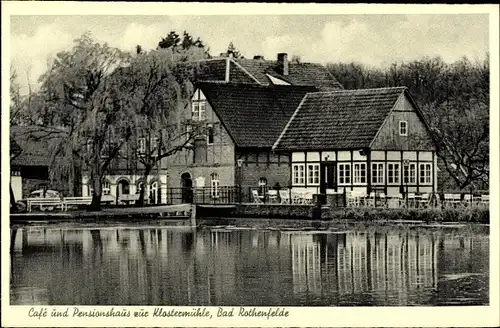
(165,84)
(82,102)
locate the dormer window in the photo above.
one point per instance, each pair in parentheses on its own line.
(403,128)
(198,110)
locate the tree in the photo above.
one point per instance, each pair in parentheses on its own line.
(164,83)
(231,49)
(187,43)
(88,106)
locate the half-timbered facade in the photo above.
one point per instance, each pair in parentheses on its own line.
(362,140)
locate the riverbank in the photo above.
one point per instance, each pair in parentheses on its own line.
(268,211)
(310,212)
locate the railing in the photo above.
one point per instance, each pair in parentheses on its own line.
(205,195)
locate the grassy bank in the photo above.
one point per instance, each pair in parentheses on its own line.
(472,215)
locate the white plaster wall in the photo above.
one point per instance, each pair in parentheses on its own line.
(17,186)
(298,157)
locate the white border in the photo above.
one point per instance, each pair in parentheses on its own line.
(299,316)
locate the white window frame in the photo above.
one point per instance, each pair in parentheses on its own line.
(106,187)
(199,110)
(411,168)
(379,170)
(392,169)
(343,178)
(403,128)
(425,173)
(359,177)
(214,185)
(313,174)
(298,174)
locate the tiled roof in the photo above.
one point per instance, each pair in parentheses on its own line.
(35,150)
(298,73)
(338,119)
(255,72)
(254,115)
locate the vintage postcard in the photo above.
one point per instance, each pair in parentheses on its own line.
(249,165)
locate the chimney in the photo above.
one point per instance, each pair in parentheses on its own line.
(283,63)
(258,57)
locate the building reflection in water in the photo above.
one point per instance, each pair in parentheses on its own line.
(188,266)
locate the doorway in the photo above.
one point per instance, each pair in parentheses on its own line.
(122,188)
(187,188)
(328,176)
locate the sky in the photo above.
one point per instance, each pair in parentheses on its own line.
(375,40)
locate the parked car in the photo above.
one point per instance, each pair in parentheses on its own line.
(49,193)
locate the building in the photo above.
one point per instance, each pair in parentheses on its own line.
(31,160)
(245,103)
(243,120)
(267,72)
(363,140)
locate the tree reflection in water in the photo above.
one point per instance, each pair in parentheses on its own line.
(211,266)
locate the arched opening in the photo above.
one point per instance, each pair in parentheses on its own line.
(122,188)
(187,188)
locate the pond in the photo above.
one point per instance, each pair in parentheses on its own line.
(345,265)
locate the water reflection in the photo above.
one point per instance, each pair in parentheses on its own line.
(188,266)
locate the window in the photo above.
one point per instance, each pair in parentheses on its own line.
(298,174)
(344,173)
(403,128)
(154,143)
(313,174)
(425,173)
(210,135)
(377,173)
(141,147)
(106,188)
(214,185)
(409,173)
(198,112)
(360,173)
(91,190)
(393,173)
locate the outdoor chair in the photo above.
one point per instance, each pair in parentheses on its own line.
(307,197)
(272,196)
(284,197)
(468,200)
(297,197)
(256,198)
(451,200)
(410,200)
(424,201)
(382,200)
(370,201)
(352,199)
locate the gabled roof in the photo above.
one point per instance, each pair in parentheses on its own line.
(256,71)
(254,115)
(34,143)
(338,119)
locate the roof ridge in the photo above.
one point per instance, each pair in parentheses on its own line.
(352,90)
